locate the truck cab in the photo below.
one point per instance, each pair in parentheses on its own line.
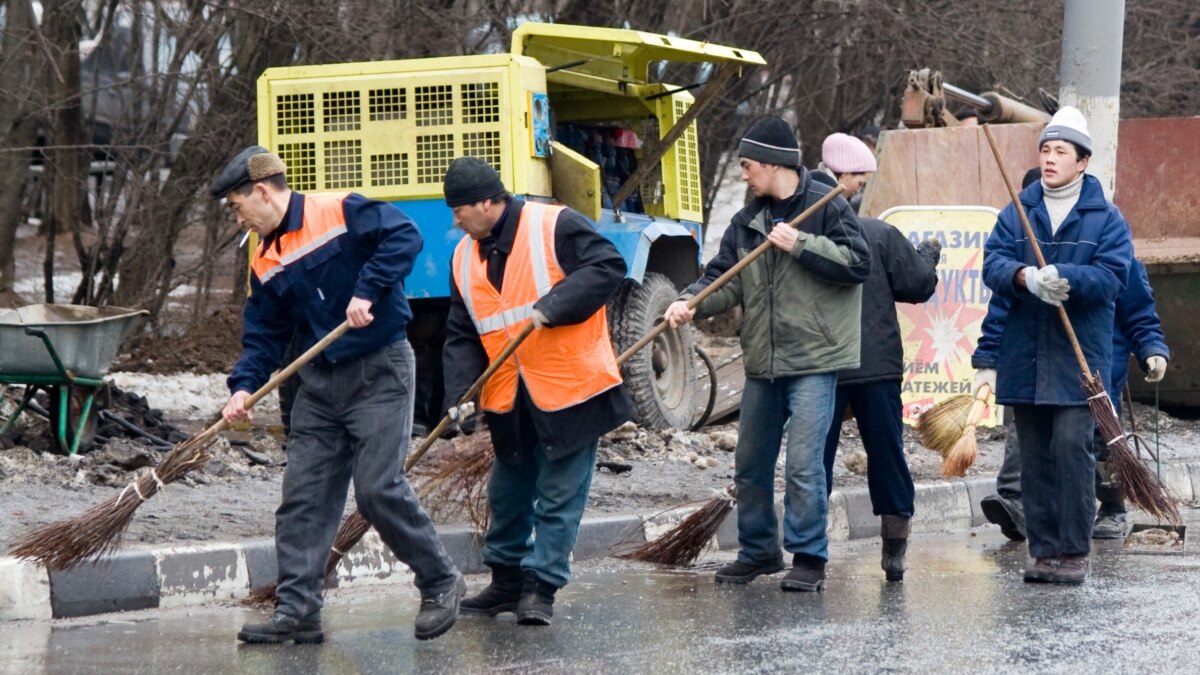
(569,115)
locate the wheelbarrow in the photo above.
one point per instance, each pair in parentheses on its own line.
(64,350)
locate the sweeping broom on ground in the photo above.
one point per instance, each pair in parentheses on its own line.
(948,428)
(683,544)
(1143,489)
(351,530)
(66,543)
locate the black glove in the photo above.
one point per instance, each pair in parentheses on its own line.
(931,250)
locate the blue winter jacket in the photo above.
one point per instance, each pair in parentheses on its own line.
(1092,251)
(1138,330)
(370,260)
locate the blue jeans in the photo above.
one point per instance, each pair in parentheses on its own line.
(535,494)
(877,411)
(803,406)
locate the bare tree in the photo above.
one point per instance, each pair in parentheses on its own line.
(20,107)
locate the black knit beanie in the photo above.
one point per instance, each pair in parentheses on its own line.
(470,180)
(771,141)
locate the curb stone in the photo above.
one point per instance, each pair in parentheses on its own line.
(180,576)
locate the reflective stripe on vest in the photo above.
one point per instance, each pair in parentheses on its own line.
(324,220)
(561,366)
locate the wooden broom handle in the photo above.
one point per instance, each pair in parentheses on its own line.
(1037,251)
(729,274)
(441,427)
(283,375)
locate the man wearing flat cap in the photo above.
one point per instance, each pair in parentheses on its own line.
(325,258)
(549,403)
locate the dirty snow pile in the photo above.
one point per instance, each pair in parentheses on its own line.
(187,395)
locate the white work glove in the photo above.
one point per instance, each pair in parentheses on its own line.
(459,413)
(1156,369)
(539,319)
(1047,285)
(985,376)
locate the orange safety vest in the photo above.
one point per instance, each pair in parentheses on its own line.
(561,366)
(324,221)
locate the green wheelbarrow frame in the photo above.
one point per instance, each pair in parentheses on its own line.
(65,383)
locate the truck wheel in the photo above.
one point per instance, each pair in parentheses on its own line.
(661,377)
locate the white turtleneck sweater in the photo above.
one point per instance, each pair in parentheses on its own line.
(1060,201)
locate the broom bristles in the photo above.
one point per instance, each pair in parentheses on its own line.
(352,529)
(1142,488)
(68,542)
(940,427)
(683,544)
(962,455)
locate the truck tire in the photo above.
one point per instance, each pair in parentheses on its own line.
(661,377)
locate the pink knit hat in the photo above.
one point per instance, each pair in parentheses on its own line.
(846,154)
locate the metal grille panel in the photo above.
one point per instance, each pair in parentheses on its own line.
(301,162)
(341,111)
(687,158)
(434,154)
(480,102)
(483,144)
(343,164)
(434,105)
(388,104)
(294,114)
(389,169)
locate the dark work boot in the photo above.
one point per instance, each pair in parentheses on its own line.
(1110,519)
(284,628)
(740,572)
(1072,569)
(894,532)
(808,574)
(536,606)
(1042,571)
(1006,512)
(500,596)
(439,612)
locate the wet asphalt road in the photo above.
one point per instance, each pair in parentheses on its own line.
(962,607)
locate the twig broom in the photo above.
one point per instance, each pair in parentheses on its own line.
(682,544)
(1143,489)
(66,543)
(962,454)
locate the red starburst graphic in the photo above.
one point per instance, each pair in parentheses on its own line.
(940,326)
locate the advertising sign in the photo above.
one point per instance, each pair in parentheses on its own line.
(940,335)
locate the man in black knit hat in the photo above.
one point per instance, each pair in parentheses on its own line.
(549,403)
(801,303)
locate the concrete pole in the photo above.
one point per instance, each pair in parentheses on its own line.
(1090,77)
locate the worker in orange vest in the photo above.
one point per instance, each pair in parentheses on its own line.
(326,258)
(549,403)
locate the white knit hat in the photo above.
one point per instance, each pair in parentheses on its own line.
(846,154)
(1068,124)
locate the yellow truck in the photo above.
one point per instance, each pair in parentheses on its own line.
(571,115)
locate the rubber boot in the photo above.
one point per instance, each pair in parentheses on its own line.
(500,596)
(536,606)
(894,531)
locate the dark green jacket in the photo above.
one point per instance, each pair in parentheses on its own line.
(801,309)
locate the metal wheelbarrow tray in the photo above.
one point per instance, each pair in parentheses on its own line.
(66,350)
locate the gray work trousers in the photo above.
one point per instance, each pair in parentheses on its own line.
(352,419)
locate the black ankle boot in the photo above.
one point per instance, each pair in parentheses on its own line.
(894,531)
(500,596)
(536,606)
